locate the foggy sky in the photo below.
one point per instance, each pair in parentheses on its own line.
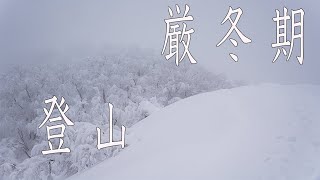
(43,31)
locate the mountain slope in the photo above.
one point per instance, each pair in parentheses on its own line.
(265,132)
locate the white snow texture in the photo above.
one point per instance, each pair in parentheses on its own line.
(264,132)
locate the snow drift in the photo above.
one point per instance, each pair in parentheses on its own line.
(265,132)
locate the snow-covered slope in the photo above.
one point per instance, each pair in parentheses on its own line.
(265,132)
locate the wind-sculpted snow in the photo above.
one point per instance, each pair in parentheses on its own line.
(265,132)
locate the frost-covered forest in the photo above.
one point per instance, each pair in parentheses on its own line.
(136,84)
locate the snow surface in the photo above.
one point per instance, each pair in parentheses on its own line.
(263,132)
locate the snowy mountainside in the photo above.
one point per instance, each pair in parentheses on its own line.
(248,133)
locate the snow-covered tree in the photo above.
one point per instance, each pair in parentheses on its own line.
(137,84)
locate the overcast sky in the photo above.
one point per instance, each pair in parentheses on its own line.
(42,31)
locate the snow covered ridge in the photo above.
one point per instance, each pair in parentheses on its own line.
(136,84)
(265,132)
